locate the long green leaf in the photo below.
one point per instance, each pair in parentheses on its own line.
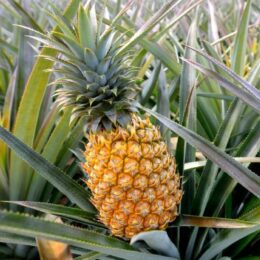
(65,153)
(226,238)
(50,153)
(198,164)
(89,256)
(248,98)
(60,210)
(35,227)
(149,84)
(221,140)
(86,33)
(14,238)
(54,175)
(238,59)
(213,222)
(8,46)
(25,15)
(249,87)
(10,238)
(6,237)
(7,118)
(159,15)
(224,185)
(188,118)
(241,174)
(28,113)
(155,48)
(163,104)
(169,25)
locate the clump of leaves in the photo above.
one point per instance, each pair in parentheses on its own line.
(199,68)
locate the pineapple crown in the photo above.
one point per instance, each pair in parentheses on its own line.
(97,81)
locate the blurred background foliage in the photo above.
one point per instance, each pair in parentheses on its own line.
(176,81)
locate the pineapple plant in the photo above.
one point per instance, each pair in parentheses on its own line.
(204,93)
(130,172)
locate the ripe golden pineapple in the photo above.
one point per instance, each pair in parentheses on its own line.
(132,178)
(129,170)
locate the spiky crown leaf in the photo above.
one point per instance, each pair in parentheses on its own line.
(97,82)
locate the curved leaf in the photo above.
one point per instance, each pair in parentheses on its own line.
(88,256)
(158,241)
(155,48)
(156,18)
(60,210)
(26,225)
(6,237)
(211,222)
(28,114)
(188,118)
(10,238)
(242,175)
(249,98)
(225,238)
(198,164)
(75,192)
(25,15)
(249,87)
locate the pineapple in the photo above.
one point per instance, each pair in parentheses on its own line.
(129,170)
(132,178)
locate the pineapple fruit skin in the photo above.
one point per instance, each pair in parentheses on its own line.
(133,178)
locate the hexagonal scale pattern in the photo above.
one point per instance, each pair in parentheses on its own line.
(132,178)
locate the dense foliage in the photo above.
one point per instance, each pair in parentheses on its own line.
(197,64)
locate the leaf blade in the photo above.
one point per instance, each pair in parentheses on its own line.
(250,180)
(54,175)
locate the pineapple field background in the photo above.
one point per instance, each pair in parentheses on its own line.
(195,67)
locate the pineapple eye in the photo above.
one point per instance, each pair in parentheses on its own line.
(125,180)
(117,193)
(119,148)
(115,164)
(166,217)
(134,150)
(162,191)
(147,150)
(148,135)
(131,166)
(146,167)
(140,182)
(134,195)
(102,187)
(166,161)
(135,221)
(108,206)
(118,232)
(157,207)
(170,203)
(154,180)
(110,177)
(131,231)
(142,208)
(157,165)
(120,217)
(127,206)
(172,187)
(151,221)
(149,195)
